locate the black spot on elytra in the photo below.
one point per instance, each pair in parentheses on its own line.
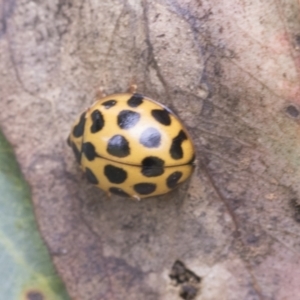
(150,138)
(161,116)
(118,146)
(173,179)
(76,151)
(79,128)
(118,191)
(115,174)
(90,176)
(89,150)
(152,166)
(128,118)
(135,100)
(144,188)
(109,103)
(176,149)
(98,121)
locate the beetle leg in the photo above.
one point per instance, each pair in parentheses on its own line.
(136,197)
(132,89)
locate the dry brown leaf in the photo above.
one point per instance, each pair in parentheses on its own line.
(230,69)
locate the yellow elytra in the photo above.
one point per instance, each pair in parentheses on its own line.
(132,146)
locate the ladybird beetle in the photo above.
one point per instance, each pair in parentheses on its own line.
(132,146)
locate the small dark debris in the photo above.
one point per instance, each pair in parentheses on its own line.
(292,111)
(186,279)
(188,292)
(180,274)
(35,295)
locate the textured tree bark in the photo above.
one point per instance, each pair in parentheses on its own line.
(230,70)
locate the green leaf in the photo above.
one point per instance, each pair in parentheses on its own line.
(26,269)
